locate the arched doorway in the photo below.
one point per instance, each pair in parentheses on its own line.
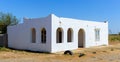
(81,38)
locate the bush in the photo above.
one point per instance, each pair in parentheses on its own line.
(114,37)
(4,49)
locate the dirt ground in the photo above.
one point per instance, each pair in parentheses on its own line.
(109,53)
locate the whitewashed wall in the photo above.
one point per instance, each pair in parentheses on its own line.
(19,36)
(89,28)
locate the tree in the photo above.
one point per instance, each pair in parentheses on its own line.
(7,19)
(118,33)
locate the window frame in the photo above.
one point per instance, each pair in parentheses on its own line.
(97,34)
(43,35)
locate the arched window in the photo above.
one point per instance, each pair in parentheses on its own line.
(59,35)
(43,35)
(33,35)
(81,38)
(69,35)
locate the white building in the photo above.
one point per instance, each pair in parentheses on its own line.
(53,34)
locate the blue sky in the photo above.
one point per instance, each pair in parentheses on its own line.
(93,10)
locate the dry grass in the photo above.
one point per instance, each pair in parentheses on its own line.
(94,54)
(114,39)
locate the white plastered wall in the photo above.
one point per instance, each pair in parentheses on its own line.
(88,27)
(19,36)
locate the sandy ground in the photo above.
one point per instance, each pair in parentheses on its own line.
(103,54)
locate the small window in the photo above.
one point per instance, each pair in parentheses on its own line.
(59,35)
(33,35)
(97,34)
(43,35)
(69,35)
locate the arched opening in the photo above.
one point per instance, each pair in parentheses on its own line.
(69,35)
(43,35)
(59,35)
(81,38)
(33,35)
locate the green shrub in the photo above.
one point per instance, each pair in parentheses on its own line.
(114,37)
(4,49)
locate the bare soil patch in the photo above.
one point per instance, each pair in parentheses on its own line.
(94,54)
